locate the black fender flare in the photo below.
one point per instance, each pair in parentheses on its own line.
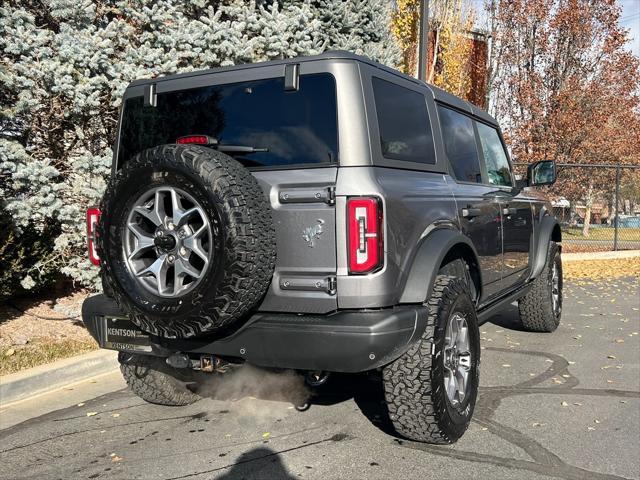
(548,230)
(431,251)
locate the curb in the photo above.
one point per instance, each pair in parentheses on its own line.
(61,373)
(571,257)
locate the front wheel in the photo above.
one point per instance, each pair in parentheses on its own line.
(431,390)
(541,308)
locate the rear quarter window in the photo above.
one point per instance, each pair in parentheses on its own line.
(297,127)
(403,122)
(460,145)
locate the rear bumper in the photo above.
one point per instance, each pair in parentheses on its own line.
(345,341)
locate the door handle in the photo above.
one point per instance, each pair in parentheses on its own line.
(509,211)
(471,212)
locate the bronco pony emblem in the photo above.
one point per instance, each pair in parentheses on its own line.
(313,233)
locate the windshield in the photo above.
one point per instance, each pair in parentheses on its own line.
(295,127)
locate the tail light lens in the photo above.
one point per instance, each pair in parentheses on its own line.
(93,217)
(364,229)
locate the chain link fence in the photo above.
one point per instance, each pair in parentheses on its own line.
(598,206)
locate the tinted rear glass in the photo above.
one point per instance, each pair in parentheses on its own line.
(405,131)
(297,127)
(460,145)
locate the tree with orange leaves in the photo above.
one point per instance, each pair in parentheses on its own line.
(449,49)
(564,87)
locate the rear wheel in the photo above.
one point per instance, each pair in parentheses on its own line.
(153,380)
(431,390)
(541,308)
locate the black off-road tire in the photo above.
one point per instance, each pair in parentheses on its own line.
(418,405)
(156,382)
(459,268)
(536,307)
(244,249)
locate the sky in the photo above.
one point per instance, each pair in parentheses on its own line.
(629,19)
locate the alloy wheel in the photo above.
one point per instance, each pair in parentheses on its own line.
(168,242)
(457,359)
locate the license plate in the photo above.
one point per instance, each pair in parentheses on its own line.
(123,334)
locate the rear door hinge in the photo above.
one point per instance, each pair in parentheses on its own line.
(331,195)
(328,284)
(308,195)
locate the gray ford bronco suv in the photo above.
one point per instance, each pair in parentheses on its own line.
(321,214)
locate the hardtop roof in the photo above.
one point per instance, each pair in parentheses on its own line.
(438,94)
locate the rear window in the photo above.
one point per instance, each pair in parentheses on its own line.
(405,131)
(296,127)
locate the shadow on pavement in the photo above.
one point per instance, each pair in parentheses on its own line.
(260,462)
(508,318)
(365,389)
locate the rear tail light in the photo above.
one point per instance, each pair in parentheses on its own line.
(197,140)
(364,230)
(93,217)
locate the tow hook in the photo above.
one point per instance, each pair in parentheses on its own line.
(207,363)
(210,363)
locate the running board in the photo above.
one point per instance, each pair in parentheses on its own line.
(485,313)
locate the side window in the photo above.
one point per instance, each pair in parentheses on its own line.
(405,131)
(498,169)
(460,145)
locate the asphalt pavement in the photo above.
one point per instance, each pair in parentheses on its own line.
(563,405)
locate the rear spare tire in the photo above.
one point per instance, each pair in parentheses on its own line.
(186,240)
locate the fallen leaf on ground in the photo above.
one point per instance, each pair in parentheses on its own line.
(9,352)
(266,435)
(116,458)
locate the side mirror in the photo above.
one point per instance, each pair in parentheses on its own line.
(541,173)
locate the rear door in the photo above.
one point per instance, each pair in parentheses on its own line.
(517,218)
(304,216)
(478,206)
